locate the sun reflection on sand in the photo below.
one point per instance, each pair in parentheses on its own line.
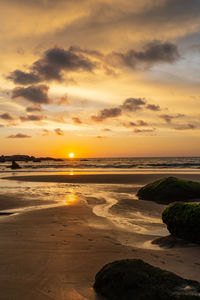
(71,197)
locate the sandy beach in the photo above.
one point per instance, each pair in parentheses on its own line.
(55,241)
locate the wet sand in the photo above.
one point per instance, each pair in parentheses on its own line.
(54,253)
(102,178)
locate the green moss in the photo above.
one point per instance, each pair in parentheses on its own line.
(183,220)
(170,189)
(132,279)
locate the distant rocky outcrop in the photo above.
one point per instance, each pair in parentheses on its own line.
(27,158)
(170,189)
(2,159)
(15,165)
(183,220)
(133,279)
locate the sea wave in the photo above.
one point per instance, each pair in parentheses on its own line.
(126,163)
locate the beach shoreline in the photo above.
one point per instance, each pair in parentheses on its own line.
(55,252)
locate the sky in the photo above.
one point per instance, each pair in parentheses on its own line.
(98,78)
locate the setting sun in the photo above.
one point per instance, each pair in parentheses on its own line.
(71,155)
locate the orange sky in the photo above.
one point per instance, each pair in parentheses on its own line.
(100,78)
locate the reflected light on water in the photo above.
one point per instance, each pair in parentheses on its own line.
(71,197)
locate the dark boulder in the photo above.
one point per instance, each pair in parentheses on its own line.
(183,220)
(15,165)
(133,279)
(2,159)
(170,189)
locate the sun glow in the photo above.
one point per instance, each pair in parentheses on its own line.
(71,155)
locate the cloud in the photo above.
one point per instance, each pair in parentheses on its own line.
(33,93)
(133,104)
(56,60)
(169,118)
(129,105)
(51,65)
(153,107)
(185,127)
(174,10)
(106,129)
(142,123)
(34,108)
(134,124)
(20,77)
(129,124)
(46,132)
(31,118)
(152,53)
(99,137)
(18,136)
(59,131)
(106,114)
(64,100)
(6,116)
(137,130)
(76,120)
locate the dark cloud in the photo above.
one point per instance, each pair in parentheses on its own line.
(18,136)
(152,53)
(129,105)
(158,52)
(33,93)
(185,127)
(31,118)
(59,131)
(134,124)
(20,77)
(137,130)
(34,108)
(106,114)
(155,52)
(55,60)
(153,107)
(133,104)
(51,65)
(92,53)
(173,11)
(169,118)
(76,120)
(6,116)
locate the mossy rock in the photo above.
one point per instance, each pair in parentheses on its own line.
(170,189)
(183,220)
(133,279)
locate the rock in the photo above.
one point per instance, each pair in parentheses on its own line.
(171,241)
(2,159)
(183,220)
(133,279)
(15,165)
(170,189)
(37,160)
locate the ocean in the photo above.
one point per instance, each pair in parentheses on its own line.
(128,164)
